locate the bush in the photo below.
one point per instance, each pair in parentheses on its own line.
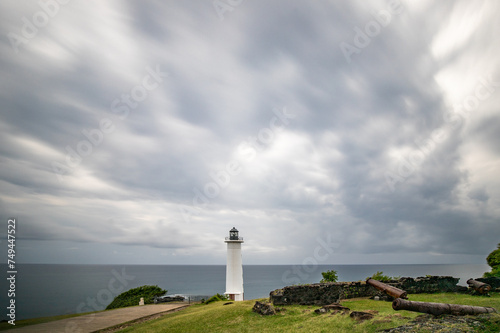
(495,272)
(329,276)
(216,298)
(379,276)
(133,296)
(493,258)
(493,261)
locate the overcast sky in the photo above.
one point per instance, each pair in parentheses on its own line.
(336,132)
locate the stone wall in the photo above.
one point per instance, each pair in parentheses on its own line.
(429,284)
(327,293)
(321,293)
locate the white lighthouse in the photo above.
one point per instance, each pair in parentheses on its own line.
(234,267)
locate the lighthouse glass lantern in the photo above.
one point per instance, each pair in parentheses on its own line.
(234,266)
(233,234)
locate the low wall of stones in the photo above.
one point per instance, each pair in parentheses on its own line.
(327,293)
(429,284)
(321,293)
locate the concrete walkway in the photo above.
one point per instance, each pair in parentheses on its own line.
(100,320)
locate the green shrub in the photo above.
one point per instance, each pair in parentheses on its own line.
(133,296)
(379,276)
(495,272)
(216,298)
(329,276)
(493,260)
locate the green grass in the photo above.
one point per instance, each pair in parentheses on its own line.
(238,317)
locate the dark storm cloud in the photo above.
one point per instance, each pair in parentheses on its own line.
(354,119)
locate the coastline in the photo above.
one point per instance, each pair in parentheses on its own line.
(48,290)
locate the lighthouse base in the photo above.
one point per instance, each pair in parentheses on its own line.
(235,296)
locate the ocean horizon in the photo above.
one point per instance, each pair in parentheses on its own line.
(56,289)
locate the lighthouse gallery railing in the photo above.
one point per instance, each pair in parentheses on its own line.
(239,238)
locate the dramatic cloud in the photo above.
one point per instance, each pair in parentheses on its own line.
(142,132)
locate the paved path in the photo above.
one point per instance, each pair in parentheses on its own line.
(100,320)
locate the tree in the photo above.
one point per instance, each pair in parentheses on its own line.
(329,276)
(493,261)
(493,258)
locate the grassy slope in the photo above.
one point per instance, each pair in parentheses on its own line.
(238,317)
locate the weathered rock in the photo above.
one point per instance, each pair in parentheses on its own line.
(321,311)
(342,312)
(382,297)
(265,309)
(334,308)
(361,316)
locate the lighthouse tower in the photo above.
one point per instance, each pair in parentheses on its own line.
(234,267)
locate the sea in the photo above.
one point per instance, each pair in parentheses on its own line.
(48,290)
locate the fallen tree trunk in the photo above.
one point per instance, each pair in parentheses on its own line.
(440,308)
(478,286)
(389,290)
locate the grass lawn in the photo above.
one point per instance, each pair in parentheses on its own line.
(238,317)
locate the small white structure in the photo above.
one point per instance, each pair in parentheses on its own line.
(141,302)
(234,266)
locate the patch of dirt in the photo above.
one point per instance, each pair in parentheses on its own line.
(361,316)
(373,312)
